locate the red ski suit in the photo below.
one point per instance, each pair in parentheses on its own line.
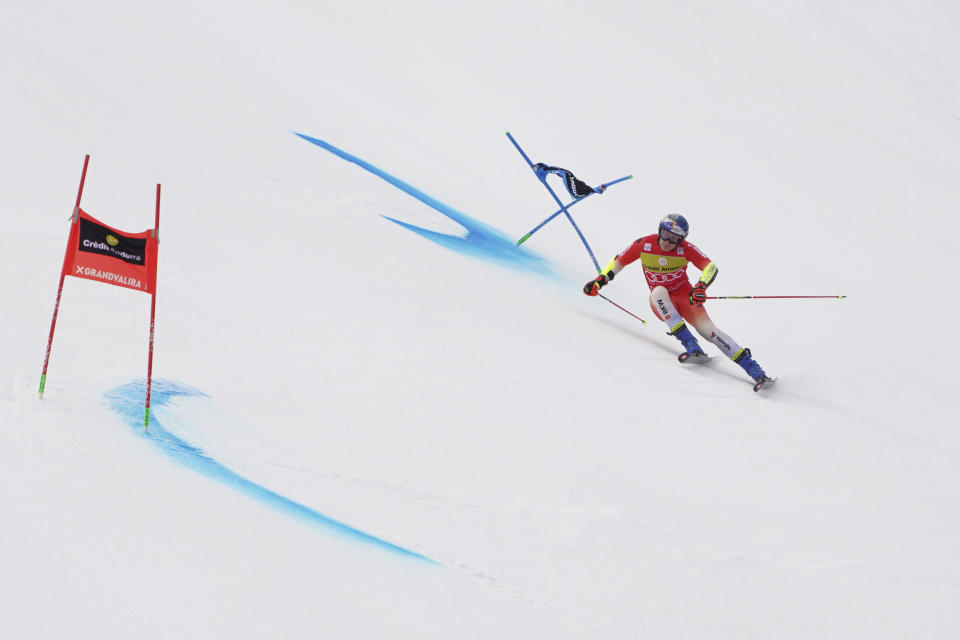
(667,269)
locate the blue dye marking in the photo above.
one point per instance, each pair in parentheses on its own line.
(481,241)
(127,401)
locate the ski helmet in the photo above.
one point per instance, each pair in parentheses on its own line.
(675,224)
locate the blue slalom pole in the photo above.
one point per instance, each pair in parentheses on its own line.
(562,208)
(568,206)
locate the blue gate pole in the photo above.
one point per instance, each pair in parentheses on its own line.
(562,208)
(568,205)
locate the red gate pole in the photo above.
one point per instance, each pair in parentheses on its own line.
(153,315)
(63,273)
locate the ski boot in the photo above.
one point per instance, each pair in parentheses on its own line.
(693,351)
(745,359)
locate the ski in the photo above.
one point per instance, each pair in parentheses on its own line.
(690,358)
(763,382)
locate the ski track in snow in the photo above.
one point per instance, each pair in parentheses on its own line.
(481,241)
(127,401)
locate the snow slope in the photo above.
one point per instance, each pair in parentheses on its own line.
(368,430)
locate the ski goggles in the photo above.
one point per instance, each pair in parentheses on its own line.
(669,236)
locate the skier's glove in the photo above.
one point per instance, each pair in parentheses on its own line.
(594,286)
(698,295)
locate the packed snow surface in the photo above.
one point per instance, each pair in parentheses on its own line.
(376,416)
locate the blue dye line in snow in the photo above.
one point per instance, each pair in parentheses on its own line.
(127,401)
(481,241)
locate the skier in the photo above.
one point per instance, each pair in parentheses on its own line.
(664,257)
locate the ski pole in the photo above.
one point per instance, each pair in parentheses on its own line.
(562,208)
(621,308)
(765,297)
(568,206)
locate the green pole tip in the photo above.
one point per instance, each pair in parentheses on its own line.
(523,239)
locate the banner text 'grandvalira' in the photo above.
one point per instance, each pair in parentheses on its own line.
(99,252)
